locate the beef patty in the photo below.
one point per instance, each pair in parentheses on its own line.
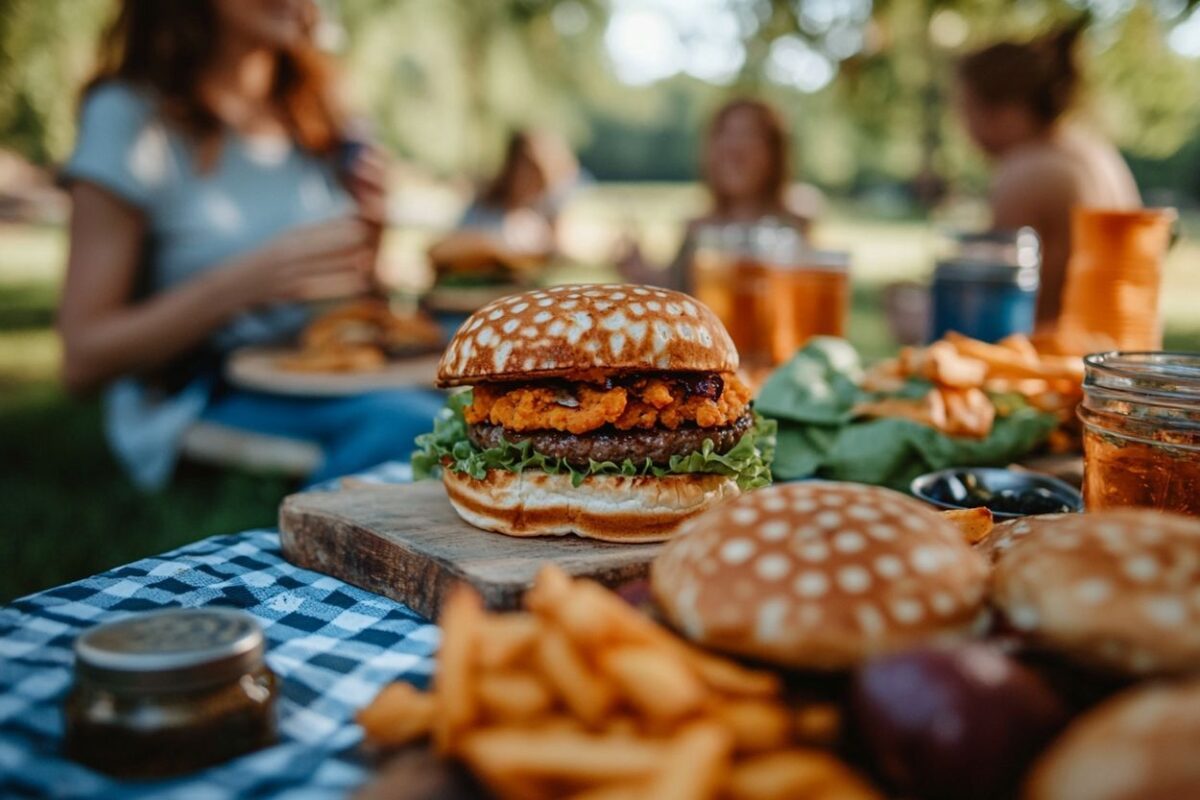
(609,444)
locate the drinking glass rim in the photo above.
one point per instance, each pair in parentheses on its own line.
(1146,372)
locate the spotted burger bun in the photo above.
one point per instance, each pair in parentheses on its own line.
(1139,745)
(612,412)
(568,330)
(1006,534)
(1114,590)
(819,575)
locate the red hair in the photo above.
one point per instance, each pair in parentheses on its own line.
(165,45)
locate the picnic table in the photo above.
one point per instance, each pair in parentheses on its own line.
(332,645)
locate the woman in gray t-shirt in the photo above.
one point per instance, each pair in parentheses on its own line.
(209,204)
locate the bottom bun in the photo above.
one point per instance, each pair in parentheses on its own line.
(612,508)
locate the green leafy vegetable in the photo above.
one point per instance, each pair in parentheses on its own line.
(813,396)
(818,385)
(447,447)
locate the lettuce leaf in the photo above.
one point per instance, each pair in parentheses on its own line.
(812,398)
(447,447)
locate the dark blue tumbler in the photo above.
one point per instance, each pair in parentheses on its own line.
(986,288)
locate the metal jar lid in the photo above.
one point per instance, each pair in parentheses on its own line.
(178,649)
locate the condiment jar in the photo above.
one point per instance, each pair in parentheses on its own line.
(986,285)
(169,692)
(1141,431)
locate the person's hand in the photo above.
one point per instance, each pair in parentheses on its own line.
(366,180)
(316,262)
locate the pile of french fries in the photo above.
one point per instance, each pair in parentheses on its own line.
(964,372)
(582,696)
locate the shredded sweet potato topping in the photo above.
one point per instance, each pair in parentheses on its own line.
(645,403)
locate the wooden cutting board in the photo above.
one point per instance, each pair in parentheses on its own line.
(405,541)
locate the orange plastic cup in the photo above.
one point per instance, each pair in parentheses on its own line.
(1114,276)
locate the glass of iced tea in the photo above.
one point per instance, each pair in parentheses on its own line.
(811,297)
(770,290)
(1141,431)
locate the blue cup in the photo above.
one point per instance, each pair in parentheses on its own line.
(988,289)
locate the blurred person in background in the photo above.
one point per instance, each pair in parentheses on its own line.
(746,168)
(209,206)
(515,215)
(1015,100)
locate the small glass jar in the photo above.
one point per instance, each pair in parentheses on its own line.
(1141,431)
(169,692)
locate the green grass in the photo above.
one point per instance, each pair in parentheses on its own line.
(69,512)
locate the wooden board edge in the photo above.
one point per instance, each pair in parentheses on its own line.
(320,549)
(303,542)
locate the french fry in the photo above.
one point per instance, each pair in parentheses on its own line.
(585,697)
(886,376)
(1002,362)
(973,523)
(510,637)
(969,412)
(1019,343)
(594,617)
(614,791)
(756,725)
(513,696)
(622,725)
(550,587)
(507,785)
(695,766)
(575,758)
(818,725)
(790,774)
(456,702)
(654,681)
(946,366)
(562,667)
(929,410)
(603,616)
(398,715)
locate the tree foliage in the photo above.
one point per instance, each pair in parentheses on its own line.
(442,81)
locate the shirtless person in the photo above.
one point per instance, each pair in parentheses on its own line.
(1015,99)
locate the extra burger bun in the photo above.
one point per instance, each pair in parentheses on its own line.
(566,330)
(819,575)
(1141,745)
(1115,590)
(1006,534)
(611,508)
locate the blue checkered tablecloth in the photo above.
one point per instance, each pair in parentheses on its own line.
(332,645)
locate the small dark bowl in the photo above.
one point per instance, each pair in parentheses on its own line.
(997,480)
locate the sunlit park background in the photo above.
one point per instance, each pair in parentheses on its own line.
(865,86)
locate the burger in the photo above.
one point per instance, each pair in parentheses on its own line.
(1114,591)
(472,268)
(1139,744)
(609,411)
(820,576)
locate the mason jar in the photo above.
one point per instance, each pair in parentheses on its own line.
(1141,431)
(169,692)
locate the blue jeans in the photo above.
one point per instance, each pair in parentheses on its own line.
(355,433)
